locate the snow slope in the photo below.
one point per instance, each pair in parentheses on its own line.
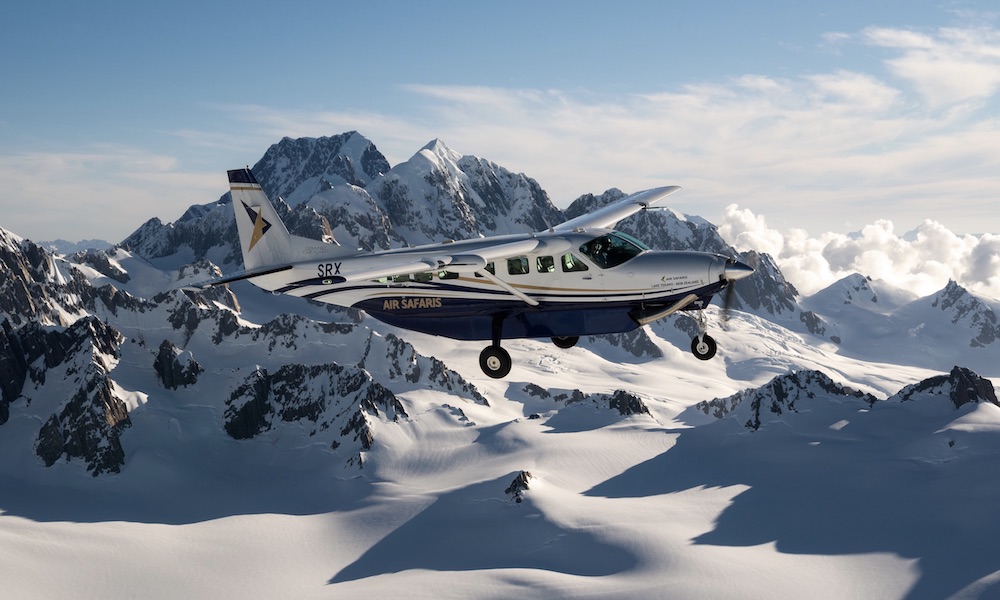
(839,499)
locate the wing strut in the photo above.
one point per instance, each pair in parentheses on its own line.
(516,292)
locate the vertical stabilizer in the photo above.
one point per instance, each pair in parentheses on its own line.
(263,237)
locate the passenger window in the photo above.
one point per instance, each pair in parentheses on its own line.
(517,265)
(571,263)
(489,267)
(422,277)
(400,278)
(545,264)
(447,275)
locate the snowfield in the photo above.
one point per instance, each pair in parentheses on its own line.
(838,499)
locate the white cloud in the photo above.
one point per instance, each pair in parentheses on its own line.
(823,151)
(106,192)
(956,65)
(922,260)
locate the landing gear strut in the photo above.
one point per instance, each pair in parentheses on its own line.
(494,360)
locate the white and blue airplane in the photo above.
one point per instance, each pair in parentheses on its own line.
(577,278)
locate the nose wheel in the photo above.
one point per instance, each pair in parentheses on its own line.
(703,346)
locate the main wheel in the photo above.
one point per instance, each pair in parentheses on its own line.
(566,342)
(495,362)
(703,347)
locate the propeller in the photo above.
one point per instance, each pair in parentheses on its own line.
(734,271)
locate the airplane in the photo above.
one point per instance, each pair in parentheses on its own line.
(574,279)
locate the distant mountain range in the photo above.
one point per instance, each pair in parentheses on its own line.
(108,370)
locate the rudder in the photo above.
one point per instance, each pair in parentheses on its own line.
(264,239)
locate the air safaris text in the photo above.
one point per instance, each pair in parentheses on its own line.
(410,303)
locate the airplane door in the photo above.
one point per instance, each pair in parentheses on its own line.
(574,273)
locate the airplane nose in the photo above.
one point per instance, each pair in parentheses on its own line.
(737,270)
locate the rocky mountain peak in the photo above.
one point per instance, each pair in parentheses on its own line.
(856,289)
(295,169)
(783,394)
(968,311)
(961,386)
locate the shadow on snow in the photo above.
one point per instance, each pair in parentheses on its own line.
(471,528)
(910,487)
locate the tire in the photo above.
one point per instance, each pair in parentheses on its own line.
(495,362)
(566,341)
(703,347)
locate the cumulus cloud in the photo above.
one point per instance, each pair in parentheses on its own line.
(922,260)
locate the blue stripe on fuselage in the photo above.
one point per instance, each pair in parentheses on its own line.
(466,319)
(473,319)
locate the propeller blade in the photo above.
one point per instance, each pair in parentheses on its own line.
(727,300)
(734,270)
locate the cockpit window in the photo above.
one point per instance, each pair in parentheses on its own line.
(612,249)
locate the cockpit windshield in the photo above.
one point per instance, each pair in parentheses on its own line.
(612,249)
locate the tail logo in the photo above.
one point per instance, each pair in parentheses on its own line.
(260,226)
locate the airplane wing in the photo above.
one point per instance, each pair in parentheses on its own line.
(469,262)
(418,266)
(608,215)
(461,263)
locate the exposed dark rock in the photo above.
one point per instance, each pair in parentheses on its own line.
(627,404)
(781,395)
(767,290)
(100,262)
(403,362)
(291,161)
(329,399)
(518,486)
(968,310)
(169,369)
(961,386)
(249,407)
(88,427)
(13,369)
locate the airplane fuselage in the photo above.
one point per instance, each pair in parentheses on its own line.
(574,294)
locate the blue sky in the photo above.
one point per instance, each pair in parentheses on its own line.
(825,116)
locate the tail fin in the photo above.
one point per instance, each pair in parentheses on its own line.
(263,237)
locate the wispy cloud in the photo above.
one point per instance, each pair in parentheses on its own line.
(949,67)
(836,149)
(106,191)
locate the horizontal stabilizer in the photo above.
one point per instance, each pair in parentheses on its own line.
(204,285)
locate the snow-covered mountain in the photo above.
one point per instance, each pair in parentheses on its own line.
(839,445)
